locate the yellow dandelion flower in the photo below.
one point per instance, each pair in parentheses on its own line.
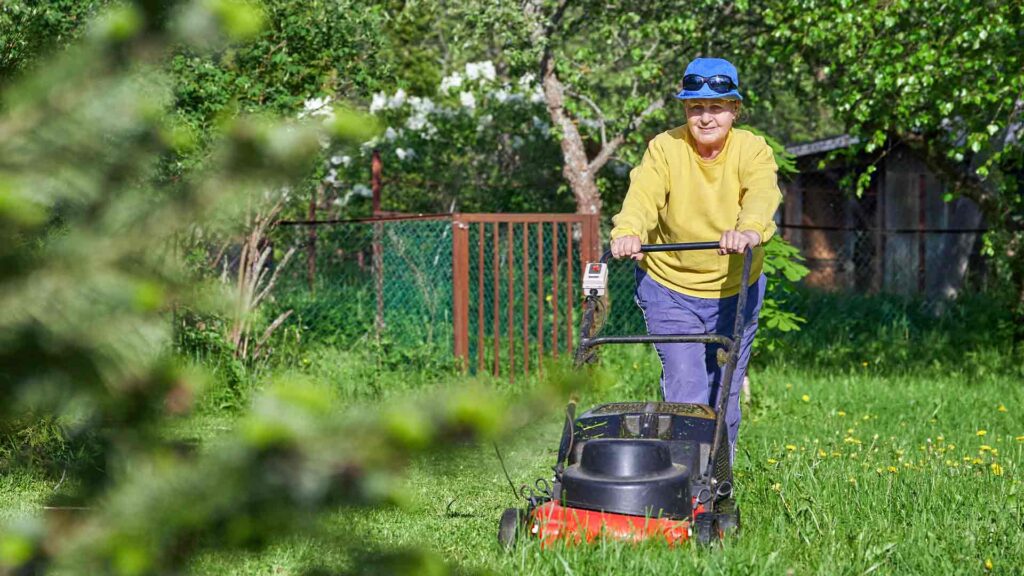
(988,564)
(840,413)
(789,386)
(977,461)
(773,461)
(940,437)
(878,470)
(997,470)
(984,448)
(981,432)
(865,363)
(777,487)
(837,454)
(1019,438)
(995,451)
(806,397)
(866,417)
(1002,408)
(951,446)
(790,447)
(893,469)
(822,454)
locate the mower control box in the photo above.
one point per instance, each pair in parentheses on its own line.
(595,279)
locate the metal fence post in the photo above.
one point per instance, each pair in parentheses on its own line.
(460,290)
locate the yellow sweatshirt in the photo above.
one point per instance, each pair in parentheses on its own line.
(677,196)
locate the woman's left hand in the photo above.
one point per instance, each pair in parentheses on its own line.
(736,242)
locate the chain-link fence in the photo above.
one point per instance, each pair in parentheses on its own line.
(500,291)
(353,281)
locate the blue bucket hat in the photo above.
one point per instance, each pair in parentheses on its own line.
(706,68)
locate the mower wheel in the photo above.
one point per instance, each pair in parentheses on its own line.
(508,527)
(705,529)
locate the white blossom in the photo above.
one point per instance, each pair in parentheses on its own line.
(404,153)
(527,80)
(362,190)
(452,81)
(379,102)
(477,70)
(537,95)
(397,100)
(390,134)
(422,105)
(421,108)
(317,107)
(467,100)
(416,122)
(501,95)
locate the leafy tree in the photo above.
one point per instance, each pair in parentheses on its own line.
(939,76)
(88,277)
(30,30)
(607,71)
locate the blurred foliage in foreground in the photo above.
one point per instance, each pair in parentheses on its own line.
(88,278)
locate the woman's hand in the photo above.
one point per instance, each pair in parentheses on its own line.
(627,246)
(736,242)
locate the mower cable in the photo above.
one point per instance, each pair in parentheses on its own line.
(515,493)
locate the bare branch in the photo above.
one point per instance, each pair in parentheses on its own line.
(270,330)
(597,110)
(608,149)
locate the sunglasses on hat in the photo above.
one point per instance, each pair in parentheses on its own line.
(719,83)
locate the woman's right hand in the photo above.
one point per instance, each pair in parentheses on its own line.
(627,246)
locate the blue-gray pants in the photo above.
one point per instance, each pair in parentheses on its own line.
(690,372)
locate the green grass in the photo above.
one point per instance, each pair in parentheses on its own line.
(852,472)
(874,490)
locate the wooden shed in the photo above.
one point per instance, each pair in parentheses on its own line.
(900,236)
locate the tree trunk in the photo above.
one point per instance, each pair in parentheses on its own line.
(576,168)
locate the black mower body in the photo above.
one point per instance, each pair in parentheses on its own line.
(638,458)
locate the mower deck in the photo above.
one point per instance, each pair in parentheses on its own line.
(552,523)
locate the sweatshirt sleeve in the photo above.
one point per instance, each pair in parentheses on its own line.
(759,193)
(648,192)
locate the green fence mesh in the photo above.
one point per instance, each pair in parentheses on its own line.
(355,292)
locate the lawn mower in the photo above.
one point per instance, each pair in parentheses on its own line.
(637,470)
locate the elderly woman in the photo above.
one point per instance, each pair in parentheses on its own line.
(702,181)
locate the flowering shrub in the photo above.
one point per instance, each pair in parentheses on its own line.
(478,144)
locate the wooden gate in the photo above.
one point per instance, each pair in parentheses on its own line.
(514,287)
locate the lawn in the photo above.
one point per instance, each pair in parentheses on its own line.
(853,473)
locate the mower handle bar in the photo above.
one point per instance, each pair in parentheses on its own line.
(678,246)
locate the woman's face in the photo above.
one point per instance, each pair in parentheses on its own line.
(710,120)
